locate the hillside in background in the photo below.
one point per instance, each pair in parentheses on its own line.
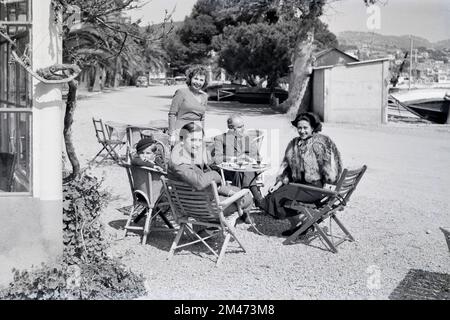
(382,41)
(444,44)
(349,38)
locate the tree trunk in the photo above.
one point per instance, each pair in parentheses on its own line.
(92,76)
(298,101)
(68,120)
(97,86)
(108,80)
(116,73)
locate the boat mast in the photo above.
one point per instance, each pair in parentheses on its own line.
(410,61)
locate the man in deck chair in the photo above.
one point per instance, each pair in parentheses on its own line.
(236,144)
(189,164)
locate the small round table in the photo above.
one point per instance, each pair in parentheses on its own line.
(233,166)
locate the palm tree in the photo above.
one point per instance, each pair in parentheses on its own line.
(104,41)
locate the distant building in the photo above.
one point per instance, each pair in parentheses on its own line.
(442,76)
(157,74)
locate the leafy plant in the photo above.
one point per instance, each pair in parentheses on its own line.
(85,272)
(102,279)
(83,232)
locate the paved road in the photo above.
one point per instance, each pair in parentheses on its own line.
(395,214)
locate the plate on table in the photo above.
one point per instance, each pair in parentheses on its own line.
(234,165)
(229,165)
(259,166)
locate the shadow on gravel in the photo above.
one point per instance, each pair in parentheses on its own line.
(422,285)
(268,226)
(163,241)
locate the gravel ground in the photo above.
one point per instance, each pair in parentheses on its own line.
(394,215)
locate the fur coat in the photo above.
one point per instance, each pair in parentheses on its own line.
(317,158)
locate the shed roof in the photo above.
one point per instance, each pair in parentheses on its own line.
(352,63)
(324,52)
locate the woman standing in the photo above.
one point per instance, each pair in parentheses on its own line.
(311,158)
(189,104)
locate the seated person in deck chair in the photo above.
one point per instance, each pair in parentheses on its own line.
(311,159)
(189,163)
(149,153)
(235,144)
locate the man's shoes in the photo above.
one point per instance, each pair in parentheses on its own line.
(140,216)
(246,218)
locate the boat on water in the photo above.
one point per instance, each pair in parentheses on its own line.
(260,95)
(244,94)
(223,91)
(430,104)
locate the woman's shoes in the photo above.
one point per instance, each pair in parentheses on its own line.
(260,203)
(289,232)
(304,234)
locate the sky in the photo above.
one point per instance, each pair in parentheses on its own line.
(429,19)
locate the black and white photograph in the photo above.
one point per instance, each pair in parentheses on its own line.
(224,151)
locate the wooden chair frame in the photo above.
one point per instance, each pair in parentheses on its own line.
(259,138)
(446,232)
(147,199)
(108,145)
(193,207)
(335,201)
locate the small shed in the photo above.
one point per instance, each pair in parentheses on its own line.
(354,92)
(332,56)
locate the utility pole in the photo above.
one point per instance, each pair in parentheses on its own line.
(410,61)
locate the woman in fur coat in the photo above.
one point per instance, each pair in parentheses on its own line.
(311,158)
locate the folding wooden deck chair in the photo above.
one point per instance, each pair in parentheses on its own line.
(446,232)
(334,201)
(148,199)
(109,145)
(257,136)
(7,168)
(202,208)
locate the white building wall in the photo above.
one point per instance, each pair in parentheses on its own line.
(354,93)
(31,229)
